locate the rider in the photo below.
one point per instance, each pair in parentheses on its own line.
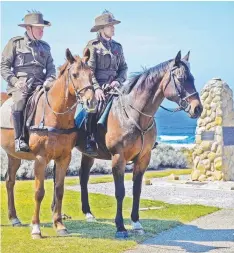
(107,63)
(26,62)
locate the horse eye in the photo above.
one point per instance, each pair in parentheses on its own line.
(75,75)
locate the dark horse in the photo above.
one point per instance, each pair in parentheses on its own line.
(131,130)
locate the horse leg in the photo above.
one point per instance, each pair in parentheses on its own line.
(138,172)
(54,180)
(13,166)
(118,167)
(61,169)
(39,170)
(64,216)
(86,164)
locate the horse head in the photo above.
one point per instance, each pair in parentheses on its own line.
(178,86)
(80,81)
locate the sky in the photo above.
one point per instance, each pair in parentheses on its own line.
(150,32)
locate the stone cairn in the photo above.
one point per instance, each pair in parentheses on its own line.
(213,155)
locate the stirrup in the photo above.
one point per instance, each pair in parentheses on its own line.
(91,148)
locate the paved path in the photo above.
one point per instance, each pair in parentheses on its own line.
(212,233)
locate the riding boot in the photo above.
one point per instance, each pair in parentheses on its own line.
(18,121)
(91,147)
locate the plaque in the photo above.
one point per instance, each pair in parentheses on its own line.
(207,136)
(228,136)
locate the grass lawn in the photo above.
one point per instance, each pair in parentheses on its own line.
(128,176)
(85,237)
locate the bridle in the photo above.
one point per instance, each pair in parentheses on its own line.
(78,94)
(41,126)
(183,103)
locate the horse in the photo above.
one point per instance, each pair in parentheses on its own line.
(54,142)
(131,130)
(3,97)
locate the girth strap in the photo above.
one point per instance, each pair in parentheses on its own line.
(52,129)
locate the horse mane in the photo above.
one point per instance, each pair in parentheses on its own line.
(62,68)
(145,74)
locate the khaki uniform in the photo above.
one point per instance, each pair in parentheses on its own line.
(29,61)
(107,61)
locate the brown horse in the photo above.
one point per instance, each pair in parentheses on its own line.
(3,97)
(72,86)
(131,130)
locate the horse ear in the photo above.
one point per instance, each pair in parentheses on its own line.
(186,57)
(178,58)
(86,55)
(69,56)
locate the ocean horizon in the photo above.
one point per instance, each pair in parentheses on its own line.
(175,128)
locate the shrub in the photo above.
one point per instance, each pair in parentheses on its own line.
(162,156)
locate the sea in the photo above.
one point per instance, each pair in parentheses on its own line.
(175,128)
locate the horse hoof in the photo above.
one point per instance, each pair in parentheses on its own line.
(36,236)
(121,234)
(19,224)
(136,225)
(62,232)
(90,218)
(16,222)
(138,231)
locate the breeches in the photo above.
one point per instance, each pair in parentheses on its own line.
(19,99)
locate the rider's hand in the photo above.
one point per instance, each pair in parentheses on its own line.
(99,94)
(115,84)
(47,84)
(20,84)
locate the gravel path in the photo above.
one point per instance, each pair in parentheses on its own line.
(175,192)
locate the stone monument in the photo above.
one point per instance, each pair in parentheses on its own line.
(213,156)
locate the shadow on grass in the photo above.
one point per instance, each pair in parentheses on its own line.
(10,226)
(105,228)
(183,236)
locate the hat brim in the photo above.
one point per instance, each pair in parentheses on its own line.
(46,23)
(98,27)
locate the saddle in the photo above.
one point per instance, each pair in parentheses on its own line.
(98,124)
(31,106)
(101,114)
(29,111)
